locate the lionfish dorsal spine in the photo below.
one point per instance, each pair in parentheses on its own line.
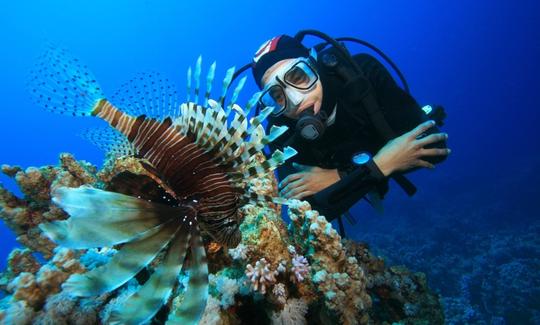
(197,77)
(226,83)
(237,91)
(188,85)
(209,81)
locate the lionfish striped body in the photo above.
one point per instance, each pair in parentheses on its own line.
(201,158)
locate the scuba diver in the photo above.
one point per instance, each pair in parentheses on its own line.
(352,125)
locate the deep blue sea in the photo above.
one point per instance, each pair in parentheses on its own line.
(473,226)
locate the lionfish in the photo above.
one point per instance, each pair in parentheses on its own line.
(201,157)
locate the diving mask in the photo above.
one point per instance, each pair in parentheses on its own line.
(289,86)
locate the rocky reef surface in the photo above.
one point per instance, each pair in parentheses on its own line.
(297,273)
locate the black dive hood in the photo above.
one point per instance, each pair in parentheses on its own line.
(331,51)
(310,126)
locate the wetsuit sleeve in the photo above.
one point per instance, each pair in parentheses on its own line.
(338,198)
(400,109)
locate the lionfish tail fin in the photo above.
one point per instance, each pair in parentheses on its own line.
(62,84)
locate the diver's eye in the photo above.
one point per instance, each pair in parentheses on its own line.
(277,95)
(297,77)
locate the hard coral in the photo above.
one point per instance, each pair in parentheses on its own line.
(340,280)
(261,276)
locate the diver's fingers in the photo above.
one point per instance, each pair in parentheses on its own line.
(302,195)
(293,192)
(289,179)
(425,164)
(435,152)
(417,131)
(292,185)
(435,137)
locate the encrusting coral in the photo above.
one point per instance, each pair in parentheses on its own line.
(311,274)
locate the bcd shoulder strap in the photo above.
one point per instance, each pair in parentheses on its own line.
(358,89)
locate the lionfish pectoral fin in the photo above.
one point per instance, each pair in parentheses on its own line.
(145,303)
(196,295)
(132,258)
(102,219)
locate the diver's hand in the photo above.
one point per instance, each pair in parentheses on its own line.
(308,181)
(405,152)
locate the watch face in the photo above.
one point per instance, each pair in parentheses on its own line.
(361,158)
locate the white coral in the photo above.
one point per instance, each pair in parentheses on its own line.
(294,313)
(280,293)
(282,267)
(300,268)
(212,313)
(261,276)
(239,253)
(228,288)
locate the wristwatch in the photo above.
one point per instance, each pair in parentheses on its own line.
(364,159)
(361,158)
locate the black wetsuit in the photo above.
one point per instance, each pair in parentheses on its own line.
(352,132)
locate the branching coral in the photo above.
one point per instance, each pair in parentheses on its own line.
(300,268)
(261,276)
(341,280)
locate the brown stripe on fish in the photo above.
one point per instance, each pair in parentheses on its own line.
(162,145)
(133,132)
(116,118)
(177,148)
(154,133)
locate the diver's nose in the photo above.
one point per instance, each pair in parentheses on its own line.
(294,96)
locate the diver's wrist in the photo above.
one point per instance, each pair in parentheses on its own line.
(383,166)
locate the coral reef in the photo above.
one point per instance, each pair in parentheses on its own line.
(281,274)
(484,276)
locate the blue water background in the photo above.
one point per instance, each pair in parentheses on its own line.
(480,59)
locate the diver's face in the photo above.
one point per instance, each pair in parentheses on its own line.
(294,85)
